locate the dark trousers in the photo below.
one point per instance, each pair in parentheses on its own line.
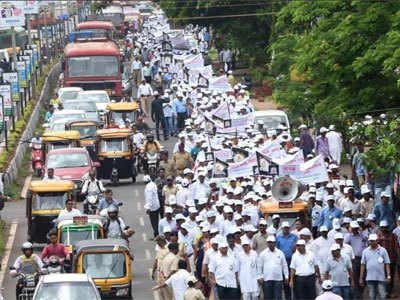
(286,288)
(147,79)
(161,121)
(389,287)
(358,290)
(343,291)
(154,216)
(181,121)
(304,287)
(225,293)
(273,290)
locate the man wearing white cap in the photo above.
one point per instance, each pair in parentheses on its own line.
(329,213)
(321,248)
(352,202)
(273,270)
(260,238)
(303,272)
(384,210)
(345,249)
(335,144)
(366,202)
(376,263)
(152,203)
(327,286)
(248,273)
(339,271)
(322,144)
(209,255)
(168,220)
(224,274)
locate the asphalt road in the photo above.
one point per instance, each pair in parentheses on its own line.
(132,211)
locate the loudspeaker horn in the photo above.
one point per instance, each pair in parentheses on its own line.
(286,189)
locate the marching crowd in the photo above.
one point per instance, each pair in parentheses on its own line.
(211,239)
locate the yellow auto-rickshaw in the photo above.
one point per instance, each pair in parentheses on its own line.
(115,153)
(44,201)
(121,112)
(289,213)
(60,139)
(108,262)
(73,230)
(87,130)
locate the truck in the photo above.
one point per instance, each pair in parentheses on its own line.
(93,65)
(102,29)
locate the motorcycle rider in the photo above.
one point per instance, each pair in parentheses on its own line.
(28,258)
(91,187)
(35,144)
(107,201)
(114,226)
(149,146)
(54,248)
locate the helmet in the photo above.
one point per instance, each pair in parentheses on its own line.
(112,209)
(26,246)
(150,136)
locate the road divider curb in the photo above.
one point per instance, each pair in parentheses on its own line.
(7,250)
(24,191)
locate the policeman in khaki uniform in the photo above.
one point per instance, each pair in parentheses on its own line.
(182,160)
(169,265)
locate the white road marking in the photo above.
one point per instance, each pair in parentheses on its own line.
(141,221)
(7,249)
(147,254)
(139,206)
(144,235)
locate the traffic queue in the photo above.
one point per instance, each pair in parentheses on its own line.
(239,209)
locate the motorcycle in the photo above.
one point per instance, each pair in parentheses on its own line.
(54,265)
(90,204)
(152,161)
(27,280)
(37,159)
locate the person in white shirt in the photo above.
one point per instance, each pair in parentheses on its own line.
(345,249)
(248,272)
(224,274)
(303,272)
(177,281)
(36,141)
(135,71)
(200,189)
(273,269)
(50,175)
(152,203)
(168,220)
(321,248)
(186,237)
(144,93)
(69,211)
(183,195)
(335,144)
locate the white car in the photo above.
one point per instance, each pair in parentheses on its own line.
(66,287)
(99,97)
(68,93)
(272,118)
(58,125)
(66,114)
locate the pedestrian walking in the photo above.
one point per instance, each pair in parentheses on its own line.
(328,294)
(335,144)
(273,270)
(157,115)
(322,144)
(144,93)
(152,203)
(248,273)
(192,292)
(181,111)
(136,67)
(375,263)
(304,272)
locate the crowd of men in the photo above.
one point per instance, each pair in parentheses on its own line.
(211,238)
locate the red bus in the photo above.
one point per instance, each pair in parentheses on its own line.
(100,29)
(93,66)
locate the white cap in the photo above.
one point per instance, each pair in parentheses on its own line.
(323,130)
(330,197)
(275,217)
(192,210)
(211,213)
(335,247)
(371,217)
(383,223)
(301,242)
(214,241)
(167,229)
(262,222)
(244,241)
(146,178)
(222,245)
(285,224)
(237,217)
(180,217)
(327,285)
(365,189)
(305,231)
(386,194)
(354,224)
(373,237)
(214,230)
(346,220)
(338,235)
(329,186)
(271,230)
(168,210)
(323,228)
(228,209)
(271,238)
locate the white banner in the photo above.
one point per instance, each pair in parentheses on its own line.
(220,83)
(272,150)
(224,154)
(221,111)
(290,165)
(243,168)
(313,171)
(31,7)
(194,62)
(238,124)
(12,13)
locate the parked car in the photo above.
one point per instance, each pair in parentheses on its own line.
(66,287)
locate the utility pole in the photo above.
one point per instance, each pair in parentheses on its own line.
(13,44)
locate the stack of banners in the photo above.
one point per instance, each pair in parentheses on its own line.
(220,84)
(12,13)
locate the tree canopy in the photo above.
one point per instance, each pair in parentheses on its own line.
(332,57)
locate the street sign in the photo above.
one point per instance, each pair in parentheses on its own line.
(12,78)
(21,69)
(5,92)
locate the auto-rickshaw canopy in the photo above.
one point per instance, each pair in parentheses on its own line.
(44,186)
(102,245)
(114,133)
(57,136)
(123,106)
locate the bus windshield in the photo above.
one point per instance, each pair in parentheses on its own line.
(93,66)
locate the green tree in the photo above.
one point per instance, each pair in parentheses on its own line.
(346,53)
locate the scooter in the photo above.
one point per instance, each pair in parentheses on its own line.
(152,160)
(90,204)
(114,173)
(37,159)
(54,265)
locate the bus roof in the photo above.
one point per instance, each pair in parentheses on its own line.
(95,24)
(91,48)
